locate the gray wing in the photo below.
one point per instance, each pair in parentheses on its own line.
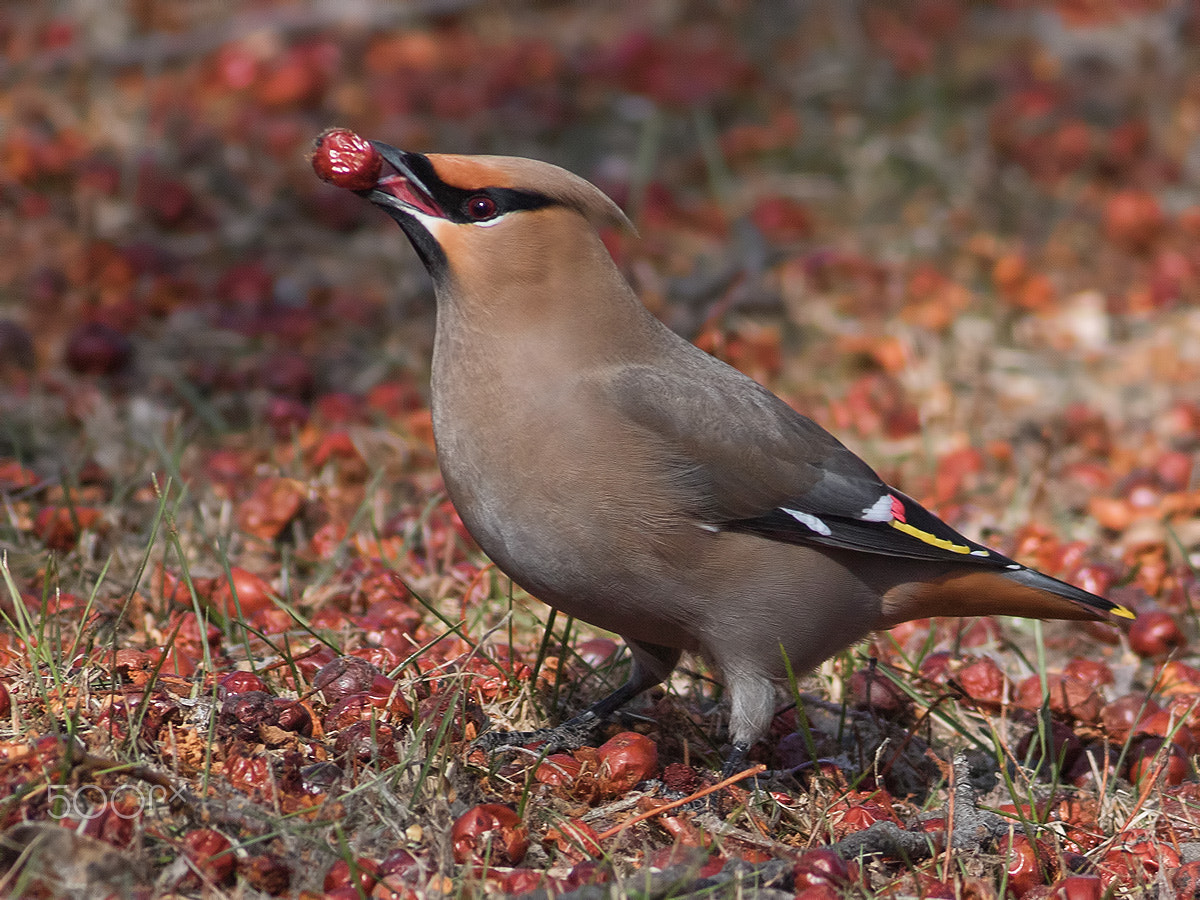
(740,449)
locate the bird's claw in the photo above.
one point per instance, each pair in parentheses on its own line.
(736,761)
(496,740)
(570,735)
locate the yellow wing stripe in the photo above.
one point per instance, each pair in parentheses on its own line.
(929,538)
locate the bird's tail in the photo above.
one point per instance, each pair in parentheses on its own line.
(1034,579)
(1017,591)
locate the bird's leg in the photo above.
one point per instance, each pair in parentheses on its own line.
(736,760)
(651,665)
(752,706)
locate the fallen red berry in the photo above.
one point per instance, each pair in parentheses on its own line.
(489,832)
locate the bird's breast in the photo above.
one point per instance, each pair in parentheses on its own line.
(558,501)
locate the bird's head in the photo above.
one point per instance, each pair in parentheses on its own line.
(488,214)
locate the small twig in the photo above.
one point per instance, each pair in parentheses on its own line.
(629,801)
(659,810)
(967,826)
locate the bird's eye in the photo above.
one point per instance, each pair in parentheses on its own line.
(480,207)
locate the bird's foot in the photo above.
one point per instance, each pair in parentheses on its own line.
(736,761)
(570,735)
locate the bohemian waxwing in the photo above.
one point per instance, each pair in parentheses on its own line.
(625,477)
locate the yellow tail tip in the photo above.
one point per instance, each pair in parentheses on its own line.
(1123,612)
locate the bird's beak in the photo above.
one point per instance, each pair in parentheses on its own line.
(401,190)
